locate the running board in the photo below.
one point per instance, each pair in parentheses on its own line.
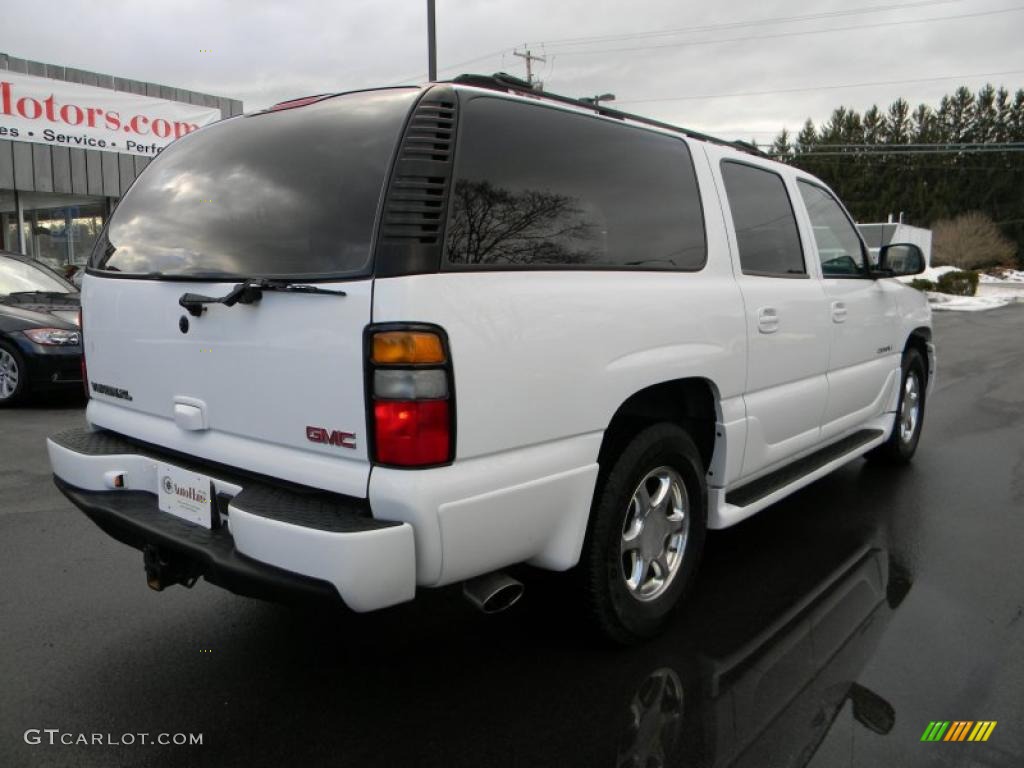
(758,494)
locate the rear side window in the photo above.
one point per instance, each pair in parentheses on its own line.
(766,233)
(292,193)
(539,187)
(839,247)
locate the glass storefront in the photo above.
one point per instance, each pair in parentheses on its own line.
(58,230)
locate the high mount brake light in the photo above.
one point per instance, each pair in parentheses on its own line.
(300,102)
(409,383)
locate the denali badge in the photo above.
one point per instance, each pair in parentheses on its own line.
(334,437)
(106,389)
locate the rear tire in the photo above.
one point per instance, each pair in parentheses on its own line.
(906,429)
(13,375)
(646,534)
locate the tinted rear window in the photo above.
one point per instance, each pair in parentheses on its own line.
(541,187)
(289,193)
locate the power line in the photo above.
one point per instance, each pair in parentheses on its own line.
(422,75)
(889,152)
(778,35)
(822,87)
(951,145)
(711,27)
(741,24)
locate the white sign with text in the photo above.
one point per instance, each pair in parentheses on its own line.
(46,111)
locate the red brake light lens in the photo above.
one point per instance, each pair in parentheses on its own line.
(412,433)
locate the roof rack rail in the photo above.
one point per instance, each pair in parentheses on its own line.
(501,81)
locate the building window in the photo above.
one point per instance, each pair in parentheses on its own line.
(60,230)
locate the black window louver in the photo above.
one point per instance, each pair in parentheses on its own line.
(415,208)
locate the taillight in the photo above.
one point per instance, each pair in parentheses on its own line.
(81,335)
(410,388)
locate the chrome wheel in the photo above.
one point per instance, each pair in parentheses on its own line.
(910,411)
(654,533)
(8,374)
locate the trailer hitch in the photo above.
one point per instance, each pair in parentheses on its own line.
(163,572)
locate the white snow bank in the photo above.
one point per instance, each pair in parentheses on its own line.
(1003,276)
(931,273)
(934,273)
(943,301)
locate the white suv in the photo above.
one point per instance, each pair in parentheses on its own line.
(361,343)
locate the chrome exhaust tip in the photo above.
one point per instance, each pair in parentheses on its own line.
(493,592)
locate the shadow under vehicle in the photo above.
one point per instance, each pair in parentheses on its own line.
(756,671)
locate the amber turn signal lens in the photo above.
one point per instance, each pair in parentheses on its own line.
(407,347)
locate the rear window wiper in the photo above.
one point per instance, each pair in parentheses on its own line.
(52,294)
(250,292)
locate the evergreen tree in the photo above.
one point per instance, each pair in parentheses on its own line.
(936,182)
(897,123)
(781,147)
(873,126)
(808,136)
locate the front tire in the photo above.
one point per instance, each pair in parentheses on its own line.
(13,375)
(648,524)
(906,430)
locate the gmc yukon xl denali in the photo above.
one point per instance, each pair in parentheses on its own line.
(367,342)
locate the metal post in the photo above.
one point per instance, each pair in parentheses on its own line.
(69,228)
(431,43)
(21,223)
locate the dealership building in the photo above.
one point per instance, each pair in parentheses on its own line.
(71,143)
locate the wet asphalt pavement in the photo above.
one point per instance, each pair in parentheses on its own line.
(826,631)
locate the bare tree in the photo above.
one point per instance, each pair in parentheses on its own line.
(492,225)
(969,241)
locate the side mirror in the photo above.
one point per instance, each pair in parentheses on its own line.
(900,260)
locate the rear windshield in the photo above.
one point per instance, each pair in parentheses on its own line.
(292,193)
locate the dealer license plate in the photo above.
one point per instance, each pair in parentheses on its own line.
(185,494)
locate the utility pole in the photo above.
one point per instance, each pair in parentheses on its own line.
(530,58)
(431,43)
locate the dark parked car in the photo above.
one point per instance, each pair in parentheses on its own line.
(40,342)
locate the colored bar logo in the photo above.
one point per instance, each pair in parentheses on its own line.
(958,730)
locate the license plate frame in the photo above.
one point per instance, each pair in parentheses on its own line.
(185,494)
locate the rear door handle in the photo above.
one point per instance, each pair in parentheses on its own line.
(767,320)
(838,312)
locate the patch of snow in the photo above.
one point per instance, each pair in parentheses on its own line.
(931,273)
(1003,276)
(1004,288)
(934,273)
(943,301)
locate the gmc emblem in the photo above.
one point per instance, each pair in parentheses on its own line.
(334,437)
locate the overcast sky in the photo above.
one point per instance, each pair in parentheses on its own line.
(646,50)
